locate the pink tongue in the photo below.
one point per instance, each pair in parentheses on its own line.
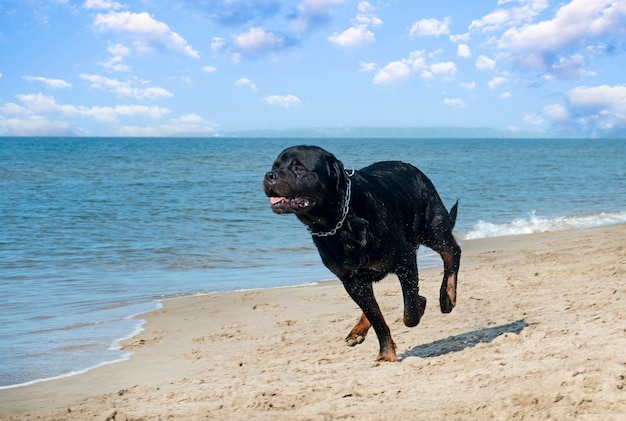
(274,200)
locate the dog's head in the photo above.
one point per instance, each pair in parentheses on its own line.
(305,180)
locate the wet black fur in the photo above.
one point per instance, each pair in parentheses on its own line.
(393,209)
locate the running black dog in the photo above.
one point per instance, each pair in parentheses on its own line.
(367,224)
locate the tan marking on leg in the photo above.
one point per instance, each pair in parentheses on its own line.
(451,289)
(388,354)
(358,332)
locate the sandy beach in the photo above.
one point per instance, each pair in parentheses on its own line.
(539,332)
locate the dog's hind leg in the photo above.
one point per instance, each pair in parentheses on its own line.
(450,253)
(439,238)
(414,304)
(447,293)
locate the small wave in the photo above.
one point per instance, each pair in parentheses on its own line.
(125,356)
(533,224)
(93,344)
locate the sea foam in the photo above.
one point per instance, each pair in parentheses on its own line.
(534,224)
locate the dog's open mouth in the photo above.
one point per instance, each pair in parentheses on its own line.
(285,205)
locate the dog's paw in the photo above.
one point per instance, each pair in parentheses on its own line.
(388,352)
(354,339)
(413,317)
(388,357)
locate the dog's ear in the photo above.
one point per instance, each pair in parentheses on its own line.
(336,172)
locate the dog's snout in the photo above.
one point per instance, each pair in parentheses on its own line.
(271,176)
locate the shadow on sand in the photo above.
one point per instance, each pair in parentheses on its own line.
(466,340)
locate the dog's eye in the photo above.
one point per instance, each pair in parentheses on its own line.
(298,168)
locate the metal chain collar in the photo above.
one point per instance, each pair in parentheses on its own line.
(344,214)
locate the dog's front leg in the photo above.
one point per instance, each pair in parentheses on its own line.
(414,304)
(362,293)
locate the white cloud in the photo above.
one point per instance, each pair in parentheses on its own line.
(97,81)
(366,15)
(118,53)
(37,106)
(36,109)
(11,108)
(602,97)
(209,69)
(454,102)
(112,114)
(576,22)
(570,67)
(491,21)
(460,37)
(190,119)
(353,37)
(152,92)
(501,18)
(144,30)
(416,60)
(125,88)
(258,40)
(595,111)
(50,83)
(435,53)
(35,126)
(365,7)
(534,119)
(392,72)
(247,83)
(42,104)
(217,44)
(468,85)
(446,68)
(597,50)
(485,63)
(285,101)
(555,112)
(504,95)
(186,125)
(496,81)
(118,50)
(359,34)
(367,67)
(430,27)
(102,5)
(426,74)
(463,51)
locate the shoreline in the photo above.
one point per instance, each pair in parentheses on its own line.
(278,352)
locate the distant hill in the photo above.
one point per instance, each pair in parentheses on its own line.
(386,132)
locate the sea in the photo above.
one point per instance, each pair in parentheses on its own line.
(95,232)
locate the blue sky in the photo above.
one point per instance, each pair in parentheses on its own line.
(204,68)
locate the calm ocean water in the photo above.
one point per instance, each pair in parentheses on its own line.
(95,231)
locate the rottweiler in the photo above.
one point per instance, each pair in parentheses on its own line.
(367,224)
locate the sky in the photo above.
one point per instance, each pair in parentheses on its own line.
(207,68)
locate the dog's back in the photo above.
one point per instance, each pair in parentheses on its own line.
(406,192)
